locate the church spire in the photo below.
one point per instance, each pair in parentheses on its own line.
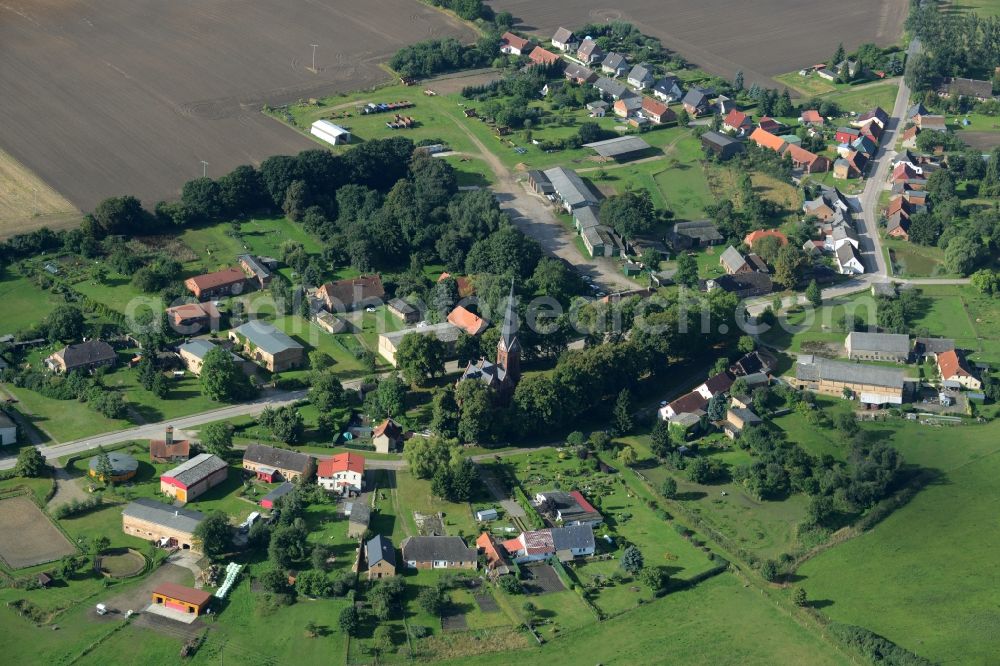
(508,335)
(508,348)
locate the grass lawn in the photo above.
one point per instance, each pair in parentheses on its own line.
(341,346)
(797,331)
(39,487)
(64,420)
(866,98)
(415,496)
(982,7)
(809,86)
(717,622)
(25,305)
(921,577)
(817,441)
(962,313)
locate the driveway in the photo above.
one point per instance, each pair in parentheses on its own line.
(67,487)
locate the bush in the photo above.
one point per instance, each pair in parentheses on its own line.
(75,507)
(880,650)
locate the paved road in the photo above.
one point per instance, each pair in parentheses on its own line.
(151,430)
(867,224)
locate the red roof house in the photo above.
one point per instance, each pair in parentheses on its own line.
(846,135)
(811,116)
(953,368)
(511,43)
(540,56)
(657,112)
(769,124)
(230,281)
(342,473)
(467,321)
(808,161)
(765,139)
(737,121)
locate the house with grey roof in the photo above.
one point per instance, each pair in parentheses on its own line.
(573,541)
(733,262)
(358,517)
(268,346)
(381,558)
(589,52)
(445,332)
(578,73)
(193,353)
(585,217)
(697,233)
(272,464)
(695,102)
(931,347)
(668,89)
(641,76)
(194,477)
(609,88)
(863,346)
(564,40)
(437,552)
(614,64)
(848,260)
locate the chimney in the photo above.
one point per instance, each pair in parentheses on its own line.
(170,435)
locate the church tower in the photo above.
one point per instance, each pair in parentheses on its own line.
(509,348)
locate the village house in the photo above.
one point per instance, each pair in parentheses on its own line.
(564,40)
(827,205)
(742,285)
(769,124)
(846,135)
(657,112)
(271,464)
(168,449)
(811,117)
(569,508)
(689,403)
(585,217)
(717,384)
(445,332)
(737,122)
(511,44)
(227,282)
(579,74)
(403,311)
(270,500)
(494,554)
(930,122)
(597,109)
(626,107)
(564,543)
(959,87)
(641,76)
(166,525)
(82,357)
(765,139)
(256,269)
(540,56)
(358,519)
(733,262)
(181,599)
(611,89)
(737,419)
(695,102)
(589,52)
(268,346)
(193,354)
(344,473)
(352,293)
(328,322)
(437,552)
(190,318)
(614,64)
(381,558)
(194,477)
(806,160)
(387,436)
(877,115)
(872,384)
(827,74)
(954,368)
(668,89)
(721,145)
(865,346)
(848,260)
(931,348)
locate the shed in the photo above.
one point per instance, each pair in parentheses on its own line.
(486,514)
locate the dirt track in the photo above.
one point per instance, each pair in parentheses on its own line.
(762,38)
(105,97)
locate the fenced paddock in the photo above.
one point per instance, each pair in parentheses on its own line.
(28,536)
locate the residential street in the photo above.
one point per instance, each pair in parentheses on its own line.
(867,223)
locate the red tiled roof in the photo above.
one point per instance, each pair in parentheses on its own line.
(466,320)
(350,291)
(910,133)
(755,236)
(811,116)
(517,42)
(200,283)
(952,365)
(158,448)
(393,428)
(538,541)
(542,57)
(800,155)
(342,462)
(582,501)
(768,123)
(493,550)
(654,107)
(735,118)
(183,593)
(765,139)
(690,402)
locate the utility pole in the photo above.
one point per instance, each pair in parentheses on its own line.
(313,70)
(204,169)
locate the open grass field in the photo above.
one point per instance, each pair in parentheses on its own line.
(921,577)
(27,203)
(26,305)
(866,97)
(717,622)
(38,540)
(779,36)
(981,7)
(152,98)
